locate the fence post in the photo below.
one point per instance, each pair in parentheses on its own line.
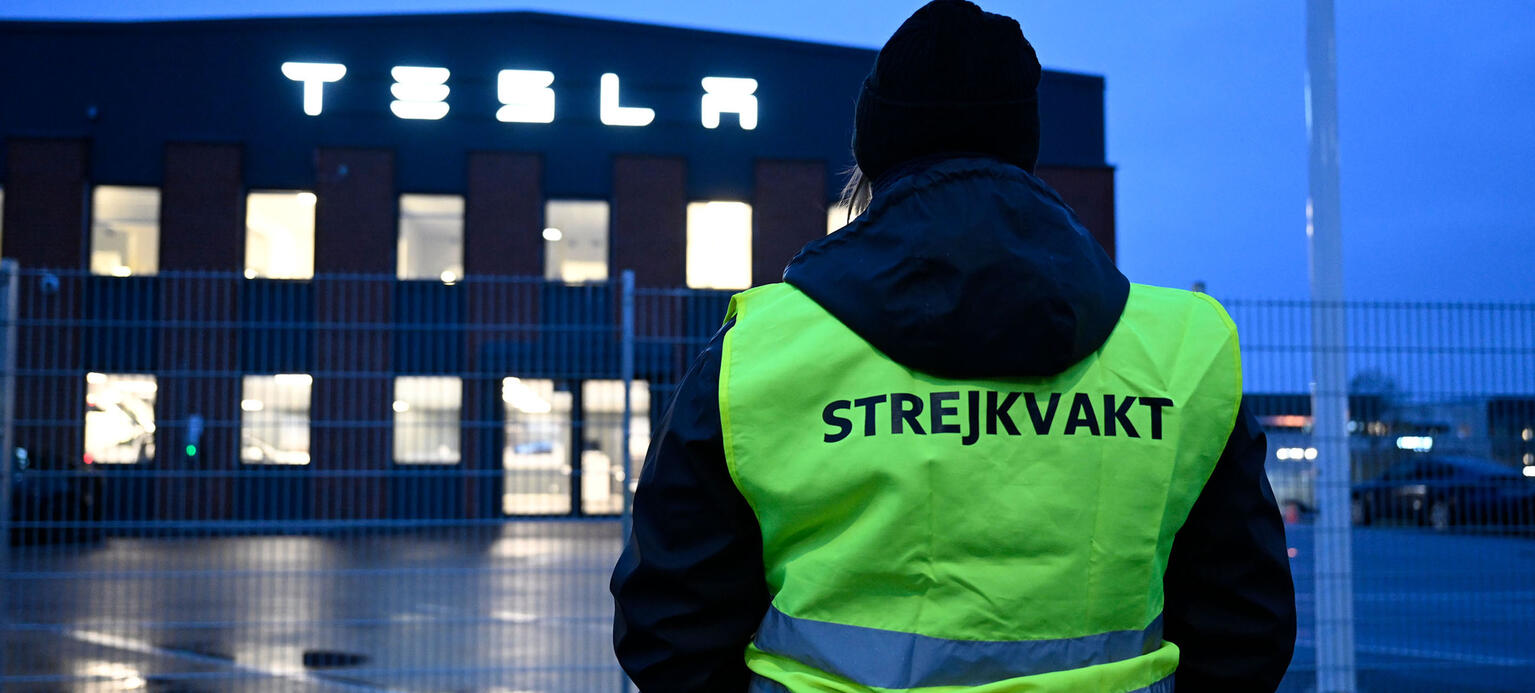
(626,372)
(8,300)
(1334,567)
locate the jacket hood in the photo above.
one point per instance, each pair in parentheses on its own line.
(967,268)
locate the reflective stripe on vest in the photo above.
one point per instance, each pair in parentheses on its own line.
(892,659)
(762,685)
(1008,534)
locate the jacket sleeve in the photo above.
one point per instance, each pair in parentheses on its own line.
(1230,601)
(689,590)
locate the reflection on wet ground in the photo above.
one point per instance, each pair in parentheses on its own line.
(522,607)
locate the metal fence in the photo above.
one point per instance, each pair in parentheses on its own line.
(1440,509)
(220,483)
(357,483)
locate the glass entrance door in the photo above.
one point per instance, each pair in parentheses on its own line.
(551,427)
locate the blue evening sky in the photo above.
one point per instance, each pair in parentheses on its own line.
(1206,123)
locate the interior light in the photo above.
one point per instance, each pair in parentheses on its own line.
(1415,443)
(449,276)
(139,385)
(122,676)
(306,198)
(1529,472)
(553,234)
(614,114)
(293,379)
(122,271)
(250,273)
(836,217)
(522,398)
(95,378)
(1310,453)
(401,406)
(719,245)
(1527,434)
(252,405)
(191,451)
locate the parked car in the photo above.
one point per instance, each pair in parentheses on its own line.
(1443,492)
(53,499)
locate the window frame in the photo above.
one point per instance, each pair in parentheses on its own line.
(687,248)
(93,206)
(399,239)
(543,248)
(245,248)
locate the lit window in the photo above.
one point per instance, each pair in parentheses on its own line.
(719,245)
(536,460)
(602,473)
(274,419)
(125,230)
(279,234)
(426,415)
(119,418)
(431,237)
(836,217)
(576,240)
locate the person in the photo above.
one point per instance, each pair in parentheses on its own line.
(956,447)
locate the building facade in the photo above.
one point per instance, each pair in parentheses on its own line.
(363,265)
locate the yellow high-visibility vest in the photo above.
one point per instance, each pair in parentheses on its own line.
(990,535)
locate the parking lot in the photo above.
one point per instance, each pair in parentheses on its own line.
(1434,612)
(524,607)
(519,608)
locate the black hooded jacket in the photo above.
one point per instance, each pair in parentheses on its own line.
(964,268)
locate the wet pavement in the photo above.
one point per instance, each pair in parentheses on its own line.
(1434,612)
(524,607)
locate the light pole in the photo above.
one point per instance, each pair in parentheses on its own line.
(1329,391)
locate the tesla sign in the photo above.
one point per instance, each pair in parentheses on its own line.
(526,96)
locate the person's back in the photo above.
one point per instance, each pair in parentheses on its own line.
(956,446)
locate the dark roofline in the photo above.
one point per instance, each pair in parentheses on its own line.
(662,30)
(414,17)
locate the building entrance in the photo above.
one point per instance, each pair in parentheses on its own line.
(562,451)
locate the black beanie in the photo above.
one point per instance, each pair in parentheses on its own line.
(953,79)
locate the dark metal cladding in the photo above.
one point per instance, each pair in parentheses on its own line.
(131,87)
